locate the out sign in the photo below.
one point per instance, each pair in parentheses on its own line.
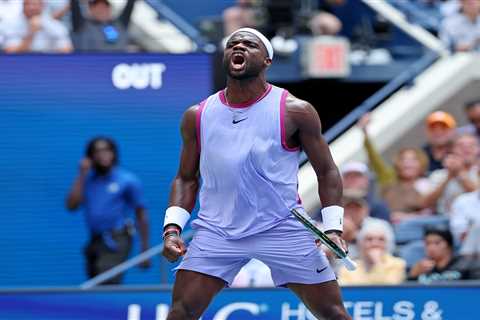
(138,76)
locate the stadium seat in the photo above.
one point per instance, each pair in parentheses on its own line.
(412,252)
(411,230)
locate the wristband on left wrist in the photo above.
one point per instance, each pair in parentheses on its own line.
(171,231)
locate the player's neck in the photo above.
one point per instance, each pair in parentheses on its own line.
(241,91)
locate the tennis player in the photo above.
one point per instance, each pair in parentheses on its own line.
(244,143)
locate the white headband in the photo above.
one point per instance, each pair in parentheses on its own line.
(259,35)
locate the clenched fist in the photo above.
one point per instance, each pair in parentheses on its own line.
(173,247)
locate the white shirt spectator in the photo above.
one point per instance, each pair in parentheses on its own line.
(53,35)
(9,9)
(450,7)
(452,190)
(465,213)
(458,30)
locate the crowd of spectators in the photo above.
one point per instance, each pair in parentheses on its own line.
(456,22)
(62,26)
(425,186)
(434,188)
(90,25)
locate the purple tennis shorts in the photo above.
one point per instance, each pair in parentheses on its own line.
(288,249)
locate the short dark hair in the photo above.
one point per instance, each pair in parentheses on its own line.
(470,104)
(444,233)
(111,144)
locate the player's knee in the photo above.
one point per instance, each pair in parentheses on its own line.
(335,312)
(182,311)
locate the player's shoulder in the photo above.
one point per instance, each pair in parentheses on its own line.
(299,110)
(293,103)
(193,109)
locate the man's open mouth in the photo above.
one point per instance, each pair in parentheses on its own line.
(238,61)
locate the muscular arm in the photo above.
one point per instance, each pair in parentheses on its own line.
(185,185)
(303,124)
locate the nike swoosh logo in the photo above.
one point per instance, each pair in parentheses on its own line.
(237,121)
(320,270)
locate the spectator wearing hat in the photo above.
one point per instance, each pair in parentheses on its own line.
(458,176)
(403,186)
(439,129)
(376,264)
(472,110)
(356,177)
(357,213)
(35,31)
(100,31)
(440,263)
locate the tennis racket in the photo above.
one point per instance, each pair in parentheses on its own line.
(339,252)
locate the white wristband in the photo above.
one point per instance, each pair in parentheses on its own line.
(332,218)
(176,215)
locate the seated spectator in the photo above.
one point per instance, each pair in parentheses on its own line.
(376,264)
(440,263)
(58,8)
(461,31)
(402,186)
(243,14)
(465,214)
(472,110)
(439,130)
(459,176)
(100,31)
(254,274)
(450,7)
(356,176)
(35,31)
(324,22)
(470,245)
(357,213)
(10,9)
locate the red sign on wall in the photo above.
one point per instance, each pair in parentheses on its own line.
(327,57)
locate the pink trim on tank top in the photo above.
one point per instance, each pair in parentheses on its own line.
(198,120)
(283,101)
(223,99)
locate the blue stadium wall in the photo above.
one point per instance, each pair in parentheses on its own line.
(50,106)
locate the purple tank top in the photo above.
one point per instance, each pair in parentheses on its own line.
(248,173)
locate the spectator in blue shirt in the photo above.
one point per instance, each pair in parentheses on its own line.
(108,193)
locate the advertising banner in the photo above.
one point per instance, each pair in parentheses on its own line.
(363,303)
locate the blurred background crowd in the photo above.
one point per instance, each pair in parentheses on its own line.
(411,217)
(102,25)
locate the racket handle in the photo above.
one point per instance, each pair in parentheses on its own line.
(349,263)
